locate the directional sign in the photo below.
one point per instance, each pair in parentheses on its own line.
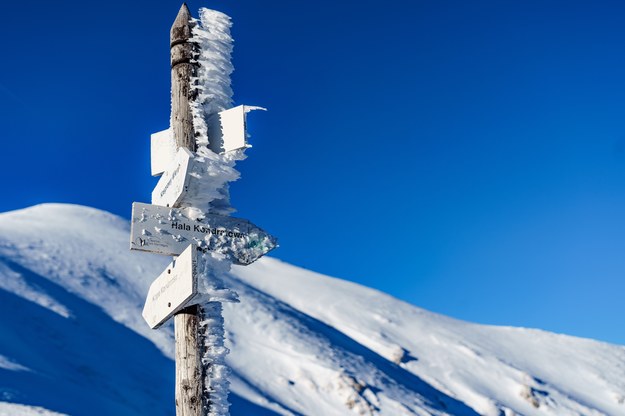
(174,183)
(173,289)
(228,130)
(163,151)
(169,231)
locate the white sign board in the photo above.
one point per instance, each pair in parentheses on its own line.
(174,182)
(173,289)
(228,130)
(162,151)
(168,231)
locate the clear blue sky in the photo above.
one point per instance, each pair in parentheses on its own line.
(468,157)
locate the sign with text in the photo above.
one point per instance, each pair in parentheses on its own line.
(173,184)
(169,231)
(173,289)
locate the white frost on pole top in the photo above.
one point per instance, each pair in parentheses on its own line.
(210,192)
(214,93)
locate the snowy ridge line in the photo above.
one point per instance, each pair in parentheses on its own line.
(454,356)
(343,378)
(75,251)
(301,343)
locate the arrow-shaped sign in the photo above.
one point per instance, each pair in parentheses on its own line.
(173,289)
(168,231)
(173,185)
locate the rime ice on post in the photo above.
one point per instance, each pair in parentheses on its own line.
(210,194)
(196,159)
(211,34)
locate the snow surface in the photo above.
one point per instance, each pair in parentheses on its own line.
(9,364)
(14,409)
(72,339)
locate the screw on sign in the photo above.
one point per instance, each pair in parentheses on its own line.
(168,229)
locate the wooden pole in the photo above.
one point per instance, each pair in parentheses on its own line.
(189,379)
(188,363)
(181,72)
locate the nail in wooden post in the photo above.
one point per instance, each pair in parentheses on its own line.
(189,382)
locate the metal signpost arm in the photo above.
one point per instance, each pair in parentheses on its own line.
(189,378)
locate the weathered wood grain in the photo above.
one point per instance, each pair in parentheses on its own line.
(189,380)
(188,363)
(182,71)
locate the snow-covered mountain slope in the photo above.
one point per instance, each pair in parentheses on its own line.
(72,339)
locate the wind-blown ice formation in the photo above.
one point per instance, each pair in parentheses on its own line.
(209,192)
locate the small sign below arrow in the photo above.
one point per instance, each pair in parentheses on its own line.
(173,289)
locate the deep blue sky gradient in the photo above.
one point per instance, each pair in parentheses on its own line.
(468,157)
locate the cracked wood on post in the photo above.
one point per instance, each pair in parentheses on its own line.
(181,72)
(188,363)
(189,380)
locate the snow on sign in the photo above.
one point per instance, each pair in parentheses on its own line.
(173,289)
(163,151)
(169,231)
(174,183)
(228,130)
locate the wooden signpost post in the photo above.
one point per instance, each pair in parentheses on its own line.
(163,228)
(186,322)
